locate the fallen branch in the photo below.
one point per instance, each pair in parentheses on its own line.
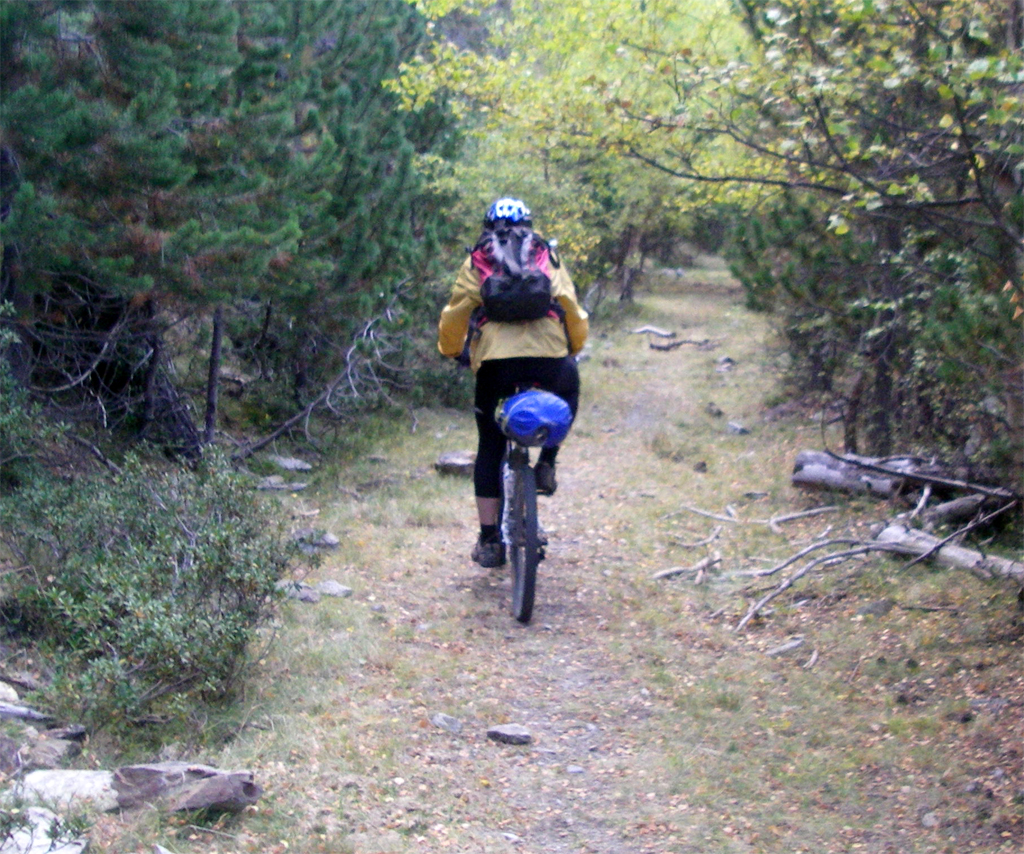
(827,560)
(964,530)
(11,711)
(699,567)
(789,646)
(931,478)
(679,343)
(705,513)
(824,470)
(923,545)
(96,452)
(897,538)
(775,521)
(350,375)
(772,523)
(710,538)
(654,330)
(883,477)
(818,544)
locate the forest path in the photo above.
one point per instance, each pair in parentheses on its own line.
(655,726)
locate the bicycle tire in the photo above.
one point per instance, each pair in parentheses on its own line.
(523,545)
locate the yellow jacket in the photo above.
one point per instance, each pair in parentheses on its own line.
(545,337)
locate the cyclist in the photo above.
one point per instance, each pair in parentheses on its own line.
(505,356)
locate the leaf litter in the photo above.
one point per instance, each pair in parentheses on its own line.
(654,726)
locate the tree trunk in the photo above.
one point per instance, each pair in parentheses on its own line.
(879,431)
(150,378)
(851,413)
(630,247)
(212,381)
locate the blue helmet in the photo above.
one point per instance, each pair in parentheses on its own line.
(511,209)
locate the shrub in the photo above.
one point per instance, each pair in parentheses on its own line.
(145,590)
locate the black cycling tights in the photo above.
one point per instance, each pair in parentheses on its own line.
(499,378)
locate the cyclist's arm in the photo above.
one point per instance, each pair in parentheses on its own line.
(454,322)
(577,321)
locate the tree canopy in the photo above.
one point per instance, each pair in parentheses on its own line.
(867,155)
(185,156)
(278,166)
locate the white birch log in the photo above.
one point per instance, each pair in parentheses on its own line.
(818,470)
(916,542)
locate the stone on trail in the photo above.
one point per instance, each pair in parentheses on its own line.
(298,590)
(277,483)
(458,463)
(69,789)
(185,786)
(334,588)
(36,836)
(50,752)
(446,722)
(310,539)
(290,463)
(510,734)
(174,785)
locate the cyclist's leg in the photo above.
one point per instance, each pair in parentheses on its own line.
(491,386)
(499,378)
(561,377)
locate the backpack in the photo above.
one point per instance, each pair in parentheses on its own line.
(515,272)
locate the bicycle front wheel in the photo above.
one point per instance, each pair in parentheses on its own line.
(523,544)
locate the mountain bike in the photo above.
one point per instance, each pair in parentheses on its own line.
(528,419)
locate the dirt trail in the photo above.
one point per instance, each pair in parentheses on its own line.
(655,727)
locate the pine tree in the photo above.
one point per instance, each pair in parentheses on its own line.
(235,161)
(359,151)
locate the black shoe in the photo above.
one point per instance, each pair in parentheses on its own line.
(489,554)
(544,473)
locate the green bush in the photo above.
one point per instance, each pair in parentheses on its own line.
(144,590)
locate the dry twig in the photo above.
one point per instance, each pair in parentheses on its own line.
(826,560)
(710,538)
(775,521)
(698,568)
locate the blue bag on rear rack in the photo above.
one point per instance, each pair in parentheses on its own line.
(535,418)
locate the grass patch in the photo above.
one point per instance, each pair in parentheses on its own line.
(656,726)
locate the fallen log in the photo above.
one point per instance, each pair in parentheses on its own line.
(914,542)
(697,569)
(654,330)
(883,477)
(10,710)
(822,470)
(673,345)
(957,510)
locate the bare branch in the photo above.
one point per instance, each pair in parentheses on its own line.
(775,521)
(706,541)
(826,560)
(699,567)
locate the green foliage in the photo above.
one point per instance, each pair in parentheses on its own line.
(144,590)
(533,84)
(870,153)
(238,155)
(912,340)
(24,431)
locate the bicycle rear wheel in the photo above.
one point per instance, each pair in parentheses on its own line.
(523,547)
